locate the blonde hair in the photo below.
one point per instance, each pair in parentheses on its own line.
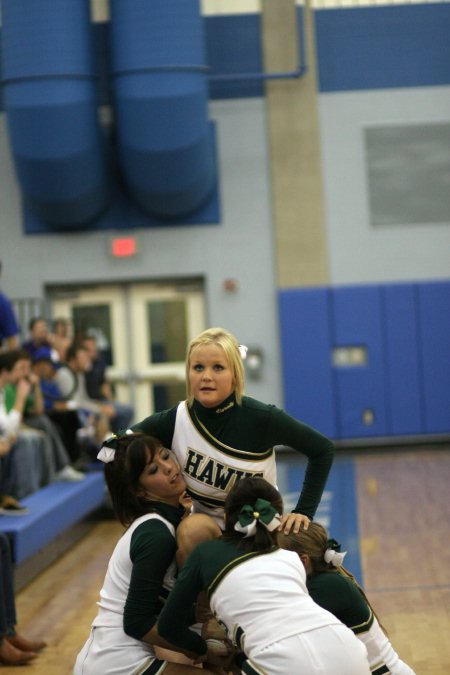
(311,542)
(230,345)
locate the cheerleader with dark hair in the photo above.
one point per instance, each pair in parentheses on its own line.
(146,488)
(257,591)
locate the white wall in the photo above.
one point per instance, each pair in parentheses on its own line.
(358,252)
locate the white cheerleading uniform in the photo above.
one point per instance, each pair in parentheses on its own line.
(383,659)
(340,595)
(254,602)
(262,601)
(109,650)
(219,445)
(211,468)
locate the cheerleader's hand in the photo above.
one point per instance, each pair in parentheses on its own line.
(186,502)
(216,660)
(212,629)
(294,522)
(219,656)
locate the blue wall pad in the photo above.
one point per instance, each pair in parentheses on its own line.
(338,509)
(123,214)
(160,104)
(50,102)
(233,46)
(53,509)
(159,152)
(397,384)
(434,316)
(383,47)
(233,56)
(360,388)
(403,363)
(305,333)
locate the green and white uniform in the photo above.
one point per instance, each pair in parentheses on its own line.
(339,595)
(217,446)
(140,574)
(262,601)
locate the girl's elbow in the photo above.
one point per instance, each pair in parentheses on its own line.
(134,630)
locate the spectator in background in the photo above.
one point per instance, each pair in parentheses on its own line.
(9,505)
(9,327)
(62,412)
(91,411)
(61,339)
(45,368)
(40,338)
(22,455)
(100,389)
(21,470)
(33,415)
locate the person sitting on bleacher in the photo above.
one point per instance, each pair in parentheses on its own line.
(34,416)
(60,338)
(100,389)
(40,338)
(49,456)
(93,413)
(21,454)
(15,649)
(62,411)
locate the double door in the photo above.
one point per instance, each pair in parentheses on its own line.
(142,330)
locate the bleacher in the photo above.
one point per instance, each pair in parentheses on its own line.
(58,516)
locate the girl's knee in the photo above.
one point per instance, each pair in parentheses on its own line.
(192,531)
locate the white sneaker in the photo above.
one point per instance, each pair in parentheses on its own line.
(69,474)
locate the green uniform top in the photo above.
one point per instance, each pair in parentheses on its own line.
(256,427)
(339,595)
(209,562)
(152,549)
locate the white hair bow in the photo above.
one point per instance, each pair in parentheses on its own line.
(106,454)
(336,558)
(243,351)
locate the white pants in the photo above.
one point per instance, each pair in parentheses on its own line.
(331,650)
(108,651)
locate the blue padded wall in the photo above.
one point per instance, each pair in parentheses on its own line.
(403,363)
(155,164)
(50,102)
(434,317)
(160,92)
(357,321)
(306,358)
(233,45)
(405,383)
(381,47)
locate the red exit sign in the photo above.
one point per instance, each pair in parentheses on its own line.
(124,247)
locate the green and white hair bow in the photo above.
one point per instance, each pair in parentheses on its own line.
(262,512)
